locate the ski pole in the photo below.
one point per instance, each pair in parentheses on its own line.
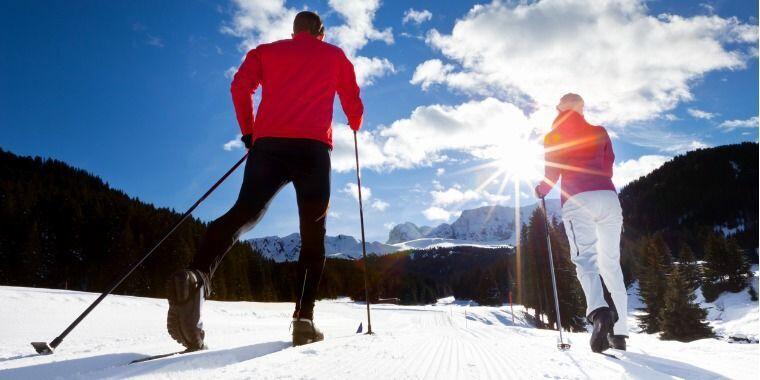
(361,221)
(561,345)
(47,349)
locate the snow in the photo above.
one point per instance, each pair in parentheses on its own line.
(448,340)
(484,224)
(487,227)
(426,243)
(288,248)
(405,232)
(734,315)
(731,315)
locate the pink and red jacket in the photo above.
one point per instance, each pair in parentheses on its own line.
(299,79)
(579,153)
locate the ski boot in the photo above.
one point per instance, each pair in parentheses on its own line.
(186,290)
(304,331)
(617,341)
(601,318)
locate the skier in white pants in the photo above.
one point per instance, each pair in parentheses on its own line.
(581,155)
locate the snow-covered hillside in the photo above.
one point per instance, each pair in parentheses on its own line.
(450,340)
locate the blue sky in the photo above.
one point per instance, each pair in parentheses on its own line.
(138,93)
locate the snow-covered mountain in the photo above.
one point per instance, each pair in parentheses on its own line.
(287,248)
(488,226)
(406,232)
(483,224)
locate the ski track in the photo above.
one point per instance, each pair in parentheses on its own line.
(251,340)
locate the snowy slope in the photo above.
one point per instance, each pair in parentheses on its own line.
(449,340)
(733,316)
(426,243)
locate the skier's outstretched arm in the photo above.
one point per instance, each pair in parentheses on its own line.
(244,83)
(348,92)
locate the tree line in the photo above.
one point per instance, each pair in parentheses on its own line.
(61,227)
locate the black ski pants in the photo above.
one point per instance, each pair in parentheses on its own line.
(272,163)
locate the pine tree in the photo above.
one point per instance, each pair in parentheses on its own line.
(725,267)
(738,267)
(654,266)
(689,267)
(680,318)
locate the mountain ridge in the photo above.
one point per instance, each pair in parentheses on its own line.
(486,226)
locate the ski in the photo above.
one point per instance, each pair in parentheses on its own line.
(609,355)
(154,357)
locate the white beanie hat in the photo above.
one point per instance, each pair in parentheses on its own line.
(570,101)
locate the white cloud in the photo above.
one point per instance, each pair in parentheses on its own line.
(356,33)
(359,28)
(437,214)
(417,17)
(371,155)
(353,190)
(389,225)
(457,197)
(369,69)
(430,72)
(495,199)
(629,65)
(440,171)
(699,114)
(474,128)
(630,170)
(230,72)
(482,129)
(234,144)
(261,21)
(380,205)
(654,136)
(453,196)
(730,125)
(446,202)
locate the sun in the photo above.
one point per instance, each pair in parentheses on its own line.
(516,159)
(521,160)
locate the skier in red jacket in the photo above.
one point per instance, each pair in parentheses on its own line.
(289,140)
(581,155)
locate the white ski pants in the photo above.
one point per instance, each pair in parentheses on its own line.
(593,222)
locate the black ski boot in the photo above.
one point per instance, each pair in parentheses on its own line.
(186,291)
(601,318)
(617,341)
(304,331)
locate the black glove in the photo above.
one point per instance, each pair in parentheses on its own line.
(537,192)
(247,141)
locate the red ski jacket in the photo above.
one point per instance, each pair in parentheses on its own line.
(299,78)
(578,152)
